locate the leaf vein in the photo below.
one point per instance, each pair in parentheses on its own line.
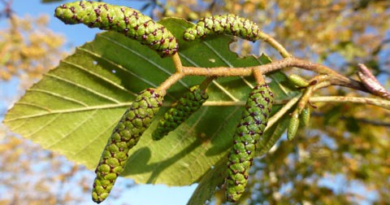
(144,58)
(99,76)
(79,125)
(33,105)
(72,110)
(118,66)
(83,87)
(94,139)
(42,127)
(58,96)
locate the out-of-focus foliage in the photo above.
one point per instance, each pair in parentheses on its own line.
(30,175)
(28,49)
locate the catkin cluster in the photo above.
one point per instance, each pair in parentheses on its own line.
(188,104)
(125,136)
(139,116)
(125,20)
(249,130)
(227,24)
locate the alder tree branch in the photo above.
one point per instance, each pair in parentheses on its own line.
(333,77)
(326,76)
(275,44)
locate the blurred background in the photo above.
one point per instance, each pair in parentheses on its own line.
(342,158)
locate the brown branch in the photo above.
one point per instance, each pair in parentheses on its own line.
(275,44)
(217,71)
(177,63)
(170,81)
(258,76)
(334,77)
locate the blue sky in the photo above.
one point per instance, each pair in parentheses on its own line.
(77,35)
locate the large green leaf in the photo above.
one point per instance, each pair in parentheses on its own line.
(74,108)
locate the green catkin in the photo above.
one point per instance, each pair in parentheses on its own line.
(293,126)
(226,24)
(188,104)
(125,20)
(298,80)
(251,127)
(126,134)
(305,116)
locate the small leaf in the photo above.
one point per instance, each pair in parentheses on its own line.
(293,125)
(305,116)
(298,80)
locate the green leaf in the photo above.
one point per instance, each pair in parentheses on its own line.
(209,183)
(75,107)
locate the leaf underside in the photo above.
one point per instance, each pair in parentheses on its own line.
(75,107)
